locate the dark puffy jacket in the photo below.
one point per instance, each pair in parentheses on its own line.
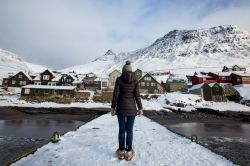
(126,95)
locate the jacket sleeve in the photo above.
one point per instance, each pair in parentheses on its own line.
(137,96)
(115,94)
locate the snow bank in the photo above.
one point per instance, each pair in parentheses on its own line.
(95,144)
(14,101)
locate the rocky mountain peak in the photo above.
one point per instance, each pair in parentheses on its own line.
(109,55)
(109,52)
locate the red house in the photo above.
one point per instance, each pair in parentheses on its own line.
(198,79)
(240,78)
(222,77)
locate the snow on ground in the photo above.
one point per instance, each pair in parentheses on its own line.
(14,101)
(95,143)
(163,102)
(244,91)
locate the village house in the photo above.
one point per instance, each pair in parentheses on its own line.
(202,78)
(221,77)
(112,78)
(138,74)
(149,85)
(203,89)
(49,77)
(68,79)
(233,68)
(175,84)
(91,82)
(230,92)
(5,83)
(209,92)
(15,82)
(240,78)
(217,92)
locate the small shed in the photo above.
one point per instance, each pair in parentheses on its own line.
(217,92)
(203,89)
(231,92)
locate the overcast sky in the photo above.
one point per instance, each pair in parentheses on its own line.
(63,33)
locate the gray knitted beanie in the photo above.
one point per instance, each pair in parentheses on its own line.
(127,67)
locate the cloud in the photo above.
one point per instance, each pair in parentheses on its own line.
(62,33)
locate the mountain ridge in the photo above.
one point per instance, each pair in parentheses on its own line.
(219,46)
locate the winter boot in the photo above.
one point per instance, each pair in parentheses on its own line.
(130,155)
(120,154)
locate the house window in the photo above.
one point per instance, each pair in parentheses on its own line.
(51,83)
(20,76)
(223,78)
(46,77)
(238,79)
(46,92)
(142,83)
(68,80)
(104,84)
(26,91)
(147,83)
(5,81)
(147,78)
(152,84)
(228,78)
(22,83)
(13,82)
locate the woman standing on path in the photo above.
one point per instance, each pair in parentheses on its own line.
(125,98)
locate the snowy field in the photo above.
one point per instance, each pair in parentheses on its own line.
(95,143)
(165,102)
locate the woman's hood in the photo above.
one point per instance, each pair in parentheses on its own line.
(128,77)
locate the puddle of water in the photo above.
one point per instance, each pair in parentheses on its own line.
(212,129)
(36,128)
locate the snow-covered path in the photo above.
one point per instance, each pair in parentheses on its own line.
(95,144)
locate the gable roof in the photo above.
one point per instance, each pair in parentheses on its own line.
(114,71)
(196,86)
(147,74)
(52,73)
(24,73)
(242,74)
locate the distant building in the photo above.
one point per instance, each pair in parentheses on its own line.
(200,78)
(138,74)
(149,85)
(221,77)
(112,78)
(203,89)
(47,93)
(51,78)
(91,82)
(233,68)
(209,92)
(240,78)
(18,80)
(173,85)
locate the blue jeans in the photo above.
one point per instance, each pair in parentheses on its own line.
(126,124)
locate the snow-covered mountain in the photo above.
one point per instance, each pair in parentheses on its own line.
(10,62)
(182,52)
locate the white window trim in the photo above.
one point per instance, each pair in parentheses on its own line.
(26,91)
